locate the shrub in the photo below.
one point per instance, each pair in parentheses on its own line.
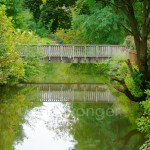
(11,65)
(144,121)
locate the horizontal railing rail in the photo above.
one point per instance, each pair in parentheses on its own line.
(77,51)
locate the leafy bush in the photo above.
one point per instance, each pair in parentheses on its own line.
(144,121)
(120,70)
(31,61)
(66,36)
(11,65)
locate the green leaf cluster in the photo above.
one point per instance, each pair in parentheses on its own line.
(21,17)
(95,23)
(120,70)
(51,14)
(144,121)
(11,65)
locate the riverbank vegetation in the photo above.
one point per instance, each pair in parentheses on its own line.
(71,73)
(12,66)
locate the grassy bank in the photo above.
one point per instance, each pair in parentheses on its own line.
(71,73)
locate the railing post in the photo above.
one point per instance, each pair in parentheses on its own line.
(84,94)
(73,52)
(85,52)
(96,52)
(61,49)
(49,52)
(108,51)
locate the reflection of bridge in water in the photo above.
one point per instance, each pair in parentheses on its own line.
(74,93)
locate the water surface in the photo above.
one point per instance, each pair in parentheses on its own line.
(64,117)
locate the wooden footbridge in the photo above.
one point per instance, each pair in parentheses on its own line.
(74,53)
(73,93)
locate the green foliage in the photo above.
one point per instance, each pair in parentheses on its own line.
(51,13)
(144,121)
(134,83)
(120,70)
(29,38)
(20,16)
(32,55)
(71,73)
(97,23)
(41,30)
(65,36)
(11,65)
(34,7)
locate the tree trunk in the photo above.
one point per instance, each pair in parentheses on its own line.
(141,47)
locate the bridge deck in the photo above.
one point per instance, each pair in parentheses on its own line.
(76,53)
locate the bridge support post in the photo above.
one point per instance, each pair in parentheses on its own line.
(96,53)
(73,52)
(61,49)
(85,53)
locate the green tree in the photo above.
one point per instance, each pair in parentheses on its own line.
(21,17)
(137,16)
(135,19)
(97,23)
(52,14)
(11,65)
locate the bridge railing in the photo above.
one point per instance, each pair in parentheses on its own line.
(73,51)
(76,51)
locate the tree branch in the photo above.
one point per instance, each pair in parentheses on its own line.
(127,92)
(130,66)
(119,89)
(106,1)
(126,28)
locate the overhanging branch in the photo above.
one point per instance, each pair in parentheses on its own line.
(126,91)
(126,28)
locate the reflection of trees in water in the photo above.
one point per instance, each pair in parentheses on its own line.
(110,132)
(60,120)
(15,103)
